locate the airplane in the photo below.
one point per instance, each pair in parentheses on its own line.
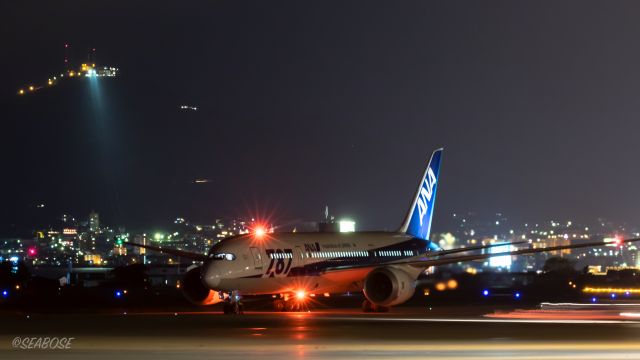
(290,266)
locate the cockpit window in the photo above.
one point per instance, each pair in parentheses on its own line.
(222,256)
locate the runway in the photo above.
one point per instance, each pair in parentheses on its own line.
(447,333)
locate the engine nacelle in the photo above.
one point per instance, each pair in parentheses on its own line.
(388,286)
(195,291)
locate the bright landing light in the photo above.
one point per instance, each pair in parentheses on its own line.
(300,294)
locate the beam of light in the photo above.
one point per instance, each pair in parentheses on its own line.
(512,321)
(104,133)
(610,290)
(558,305)
(630,314)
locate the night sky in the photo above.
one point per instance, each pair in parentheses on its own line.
(307,104)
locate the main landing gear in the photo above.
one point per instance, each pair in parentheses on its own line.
(232,304)
(368,306)
(287,303)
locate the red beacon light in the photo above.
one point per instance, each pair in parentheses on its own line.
(260,231)
(31,251)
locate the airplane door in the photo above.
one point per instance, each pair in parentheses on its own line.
(298,256)
(257,257)
(298,261)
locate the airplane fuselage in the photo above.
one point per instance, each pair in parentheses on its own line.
(287,262)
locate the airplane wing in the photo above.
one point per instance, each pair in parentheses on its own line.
(463,258)
(470,248)
(428,261)
(176,252)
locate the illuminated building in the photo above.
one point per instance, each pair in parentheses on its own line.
(94,222)
(500,261)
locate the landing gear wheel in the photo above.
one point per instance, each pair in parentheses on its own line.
(226,308)
(381,309)
(235,308)
(291,306)
(368,306)
(279,305)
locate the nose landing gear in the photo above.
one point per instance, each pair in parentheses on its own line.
(232,304)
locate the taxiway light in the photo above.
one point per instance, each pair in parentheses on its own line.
(5,293)
(517,295)
(485,292)
(452,284)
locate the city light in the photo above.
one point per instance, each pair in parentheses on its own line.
(347,226)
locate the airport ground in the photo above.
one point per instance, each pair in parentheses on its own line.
(406,332)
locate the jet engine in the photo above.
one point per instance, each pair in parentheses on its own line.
(195,291)
(388,286)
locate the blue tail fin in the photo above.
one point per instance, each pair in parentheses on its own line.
(418,220)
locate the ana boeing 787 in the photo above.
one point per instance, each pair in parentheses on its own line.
(383,265)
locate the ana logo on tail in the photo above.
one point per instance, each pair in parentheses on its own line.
(425,194)
(418,220)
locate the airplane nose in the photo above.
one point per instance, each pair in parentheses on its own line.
(211,275)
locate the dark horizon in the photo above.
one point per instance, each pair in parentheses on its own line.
(327,103)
